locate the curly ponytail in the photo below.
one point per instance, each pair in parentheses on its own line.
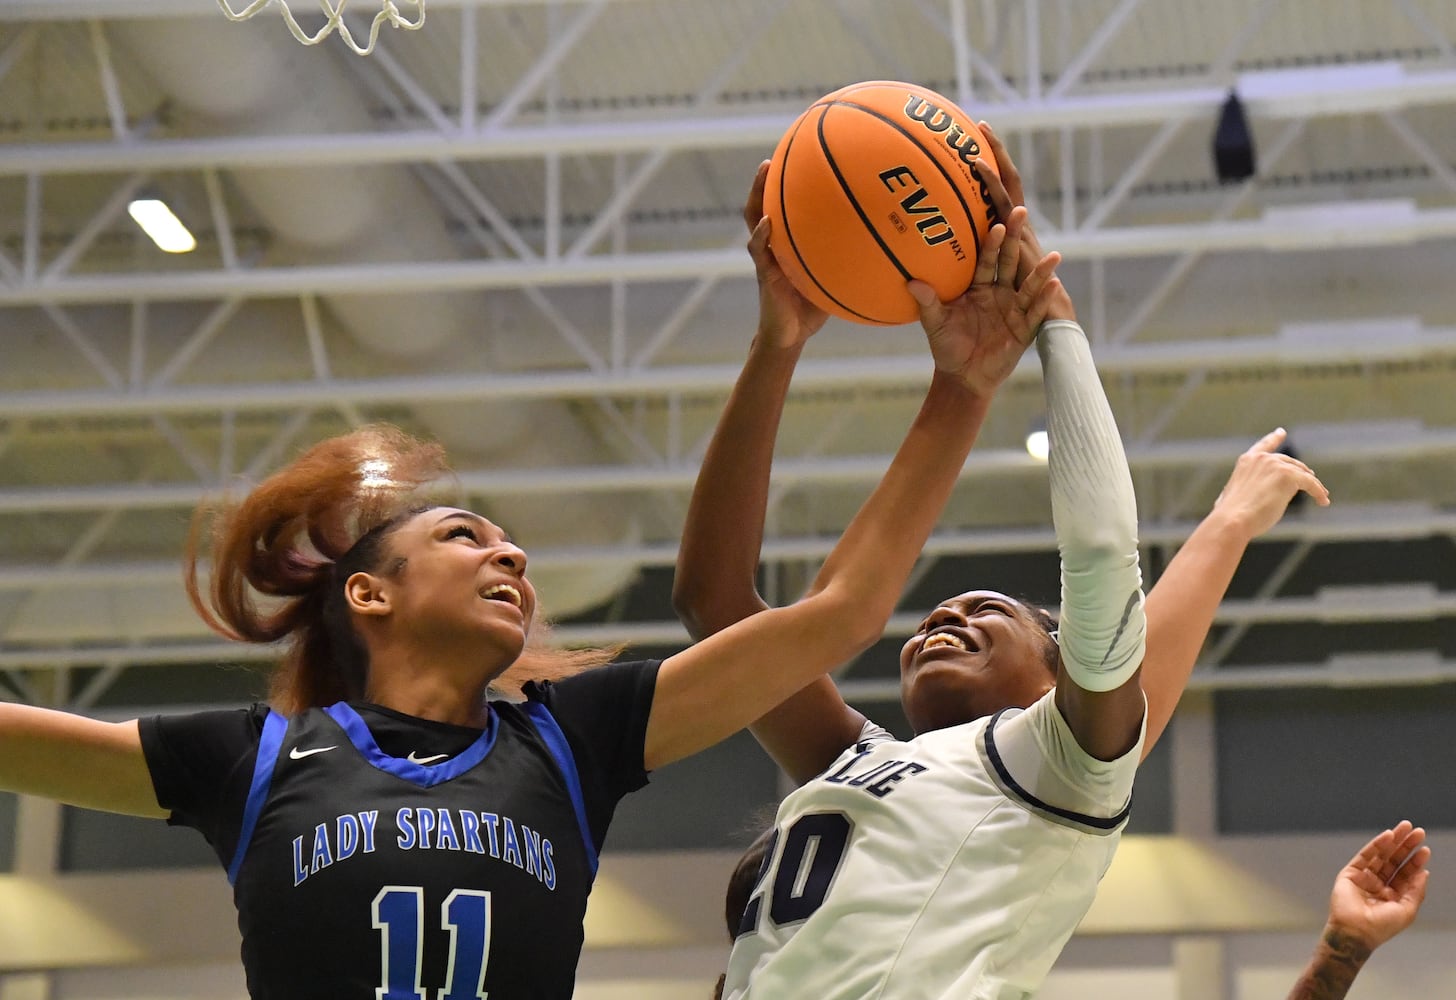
(295,539)
(305,530)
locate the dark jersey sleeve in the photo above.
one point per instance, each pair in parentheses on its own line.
(603,713)
(202,767)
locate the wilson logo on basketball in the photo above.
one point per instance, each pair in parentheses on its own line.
(936,119)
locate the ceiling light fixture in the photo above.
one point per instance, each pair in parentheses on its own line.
(1038,445)
(164,228)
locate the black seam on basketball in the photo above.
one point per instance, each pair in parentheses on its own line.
(929,154)
(858,210)
(789,230)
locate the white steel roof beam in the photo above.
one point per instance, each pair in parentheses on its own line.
(1330,445)
(1395,341)
(1347,225)
(1373,670)
(1390,671)
(1184,264)
(1363,523)
(1357,89)
(67,10)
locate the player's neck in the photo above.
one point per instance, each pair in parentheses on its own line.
(431,690)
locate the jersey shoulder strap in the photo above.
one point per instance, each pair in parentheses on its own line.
(560,750)
(270,741)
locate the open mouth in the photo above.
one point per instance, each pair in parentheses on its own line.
(504,593)
(947,638)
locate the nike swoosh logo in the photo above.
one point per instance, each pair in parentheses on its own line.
(297,754)
(425,760)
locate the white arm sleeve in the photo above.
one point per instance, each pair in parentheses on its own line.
(1094,510)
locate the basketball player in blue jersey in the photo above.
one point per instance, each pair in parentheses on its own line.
(957,864)
(391,832)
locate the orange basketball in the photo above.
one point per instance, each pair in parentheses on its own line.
(873,185)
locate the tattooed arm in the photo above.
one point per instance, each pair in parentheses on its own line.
(1376,896)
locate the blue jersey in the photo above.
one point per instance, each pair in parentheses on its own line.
(456,868)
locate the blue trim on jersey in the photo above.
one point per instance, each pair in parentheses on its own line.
(560,749)
(425,776)
(270,742)
(1107,823)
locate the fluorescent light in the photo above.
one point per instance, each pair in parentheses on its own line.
(158,222)
(1037,445)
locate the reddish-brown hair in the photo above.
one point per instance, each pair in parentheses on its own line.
(299,535)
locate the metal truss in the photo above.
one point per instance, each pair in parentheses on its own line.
(1093,152)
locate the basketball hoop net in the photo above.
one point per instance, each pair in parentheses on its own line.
(334,20)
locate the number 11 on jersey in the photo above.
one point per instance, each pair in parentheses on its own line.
(398,916)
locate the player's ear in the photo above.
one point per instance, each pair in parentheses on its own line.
(366,594)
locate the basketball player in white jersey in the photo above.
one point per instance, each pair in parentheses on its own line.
(1376,896)
(955,865)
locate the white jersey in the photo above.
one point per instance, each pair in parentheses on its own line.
(951,867)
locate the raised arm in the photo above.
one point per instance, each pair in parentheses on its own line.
(1101,631)
(1181,605)
(76,760)
(1376,896)
(732,678)
(1095,515)
(715,583)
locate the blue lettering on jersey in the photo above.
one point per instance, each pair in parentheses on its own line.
(885,785)
(492,821)
(447,839)
(322,857)
(426,820)
(548,865)
(406,838)
(838,777)
(440,829)
(531,842)
(348,836)
(367,820)
(470,833)
(513,844)
(879,780)
(860,780)
(353,831)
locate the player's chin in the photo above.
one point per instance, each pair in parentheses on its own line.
(507,640)
(939,694)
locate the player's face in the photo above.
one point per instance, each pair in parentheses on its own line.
(971,657)
(462,579)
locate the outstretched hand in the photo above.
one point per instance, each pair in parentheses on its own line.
(979,337)
(1263,483)
(785,318)
(1378,894)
